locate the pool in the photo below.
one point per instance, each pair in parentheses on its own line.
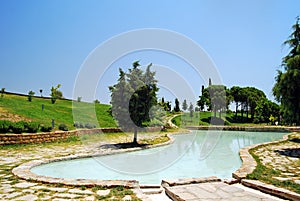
(198,154)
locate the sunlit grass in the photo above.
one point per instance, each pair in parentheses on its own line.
(61,111)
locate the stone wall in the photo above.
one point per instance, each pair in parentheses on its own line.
(244,128)
(26,138)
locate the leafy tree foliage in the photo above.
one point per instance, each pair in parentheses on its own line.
(287,87)
(217,94)
(134,97)
(191,109)
(56,93)
(165,105)
(249,100)
(203,99)
(176,107)
(30,95)
(266,111)
(214,97)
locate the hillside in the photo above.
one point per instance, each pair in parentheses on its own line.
(17,107)
(204,119)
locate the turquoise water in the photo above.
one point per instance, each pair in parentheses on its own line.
(198,154)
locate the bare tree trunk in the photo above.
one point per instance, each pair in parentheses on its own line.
(215,112)
(135,136)
(236,109)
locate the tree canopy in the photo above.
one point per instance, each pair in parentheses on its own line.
(248,100)
(176,107)
(287,87)
(133,97)
(56,93)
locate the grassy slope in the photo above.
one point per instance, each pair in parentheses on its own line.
(61,111)
(201,119)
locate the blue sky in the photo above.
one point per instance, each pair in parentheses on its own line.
(44,43)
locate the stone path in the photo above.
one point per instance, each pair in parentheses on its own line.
(211,188)
(283,158)
(217,191)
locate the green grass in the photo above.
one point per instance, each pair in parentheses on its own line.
(266,175)
(203,119)
(61,111)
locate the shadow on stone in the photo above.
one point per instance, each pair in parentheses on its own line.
(295,153)
(296,140)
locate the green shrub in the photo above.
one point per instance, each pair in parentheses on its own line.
(89,126)
(256,121)
(18,127)
(63,127)
(78,125)
(45,128)
(81,125)
(32,127)
(5,126)
(156,122)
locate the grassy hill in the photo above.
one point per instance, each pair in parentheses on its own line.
(16,107)
(204,118)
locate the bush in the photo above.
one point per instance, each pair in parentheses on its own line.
(156,122)
(63,127)
(32,127)
(81,125)
(46,128)
(89,126)
(18,127)
(5,126)
(256,121)
(78,125)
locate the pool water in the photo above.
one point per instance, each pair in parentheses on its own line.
(198,154)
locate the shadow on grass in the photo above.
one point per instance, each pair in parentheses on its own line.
(123,145)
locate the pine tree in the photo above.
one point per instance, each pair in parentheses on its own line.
(176,107)
(133,97)
(184,105)
(287,87)
(191,109)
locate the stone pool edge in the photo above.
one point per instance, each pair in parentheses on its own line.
(248,162)
(248,166)
(23,171)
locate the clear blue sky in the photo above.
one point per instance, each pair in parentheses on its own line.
(43,43)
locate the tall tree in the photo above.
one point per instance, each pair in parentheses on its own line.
(204,99)
(254,96)
(120,96)
(218,101)
(235,92)
(176,107)
(287,87)
(191,109)
(132,98)
(184,105)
